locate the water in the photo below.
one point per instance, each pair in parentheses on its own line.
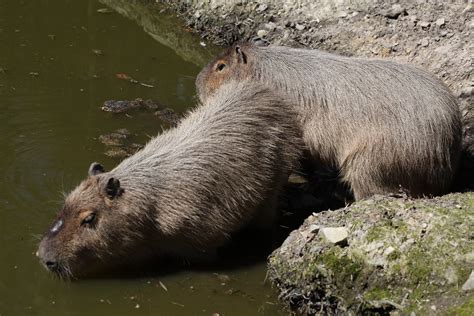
(58,64)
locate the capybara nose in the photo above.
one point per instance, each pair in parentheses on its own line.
(51,265)
(46,258)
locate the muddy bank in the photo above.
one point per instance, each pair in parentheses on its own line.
(435,34)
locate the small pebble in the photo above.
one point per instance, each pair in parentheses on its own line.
(342,14)
(299,27)
(440,22)
(424,24)
(262,33)
(270,26)
(335,235)
(262,7)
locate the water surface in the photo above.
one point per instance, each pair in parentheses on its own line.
(58,64)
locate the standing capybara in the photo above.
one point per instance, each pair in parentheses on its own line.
(385,126)
(186,191)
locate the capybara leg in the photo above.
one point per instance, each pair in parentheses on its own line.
(366,179)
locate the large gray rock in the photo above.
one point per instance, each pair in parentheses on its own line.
(402,256)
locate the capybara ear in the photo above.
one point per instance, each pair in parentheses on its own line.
(241,57)
(95,169)
(113,188)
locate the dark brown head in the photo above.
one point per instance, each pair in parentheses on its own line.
(232,64)
(91,228)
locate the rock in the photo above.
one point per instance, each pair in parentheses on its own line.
(467,92)
(223,278)
(394,12)
(469,284)
(270,26)
(469,256)
(424,42)
(119,144)
(389,250)
(262,7)
(262,33)
(342,14)
(121,106)
(424,24)
(314,228)
(451,276)
(116,138)
(168,116)
(299,27)
(335,235)
(444,49)
(388,267)
(440,22)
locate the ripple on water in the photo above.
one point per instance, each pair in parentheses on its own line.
(31,173)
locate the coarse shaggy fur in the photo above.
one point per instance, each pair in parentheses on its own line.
(184,194)
(385,126)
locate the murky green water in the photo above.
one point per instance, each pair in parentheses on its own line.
(58,63)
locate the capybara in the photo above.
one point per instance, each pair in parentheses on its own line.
(183,194)
(385,126)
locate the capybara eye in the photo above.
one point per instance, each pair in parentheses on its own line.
(89,219)
(220,67)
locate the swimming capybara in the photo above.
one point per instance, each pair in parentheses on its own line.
(385,126)
(186,191)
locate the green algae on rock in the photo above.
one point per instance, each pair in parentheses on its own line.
(402,255)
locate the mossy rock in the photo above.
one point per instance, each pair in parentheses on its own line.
(401,256)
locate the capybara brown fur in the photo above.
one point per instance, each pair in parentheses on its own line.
(385,126)
(222,168)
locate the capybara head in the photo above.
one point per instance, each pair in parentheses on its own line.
(232,64)
(93,228)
